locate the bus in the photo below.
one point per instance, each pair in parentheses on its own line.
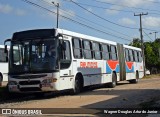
(3,65)
(58,59)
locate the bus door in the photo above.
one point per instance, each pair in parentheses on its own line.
(66,75)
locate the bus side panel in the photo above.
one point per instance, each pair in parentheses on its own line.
(140,69)
(91,71)
(107,77)
(4,71)
(130,70)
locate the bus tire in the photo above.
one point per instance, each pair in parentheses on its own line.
(136,80)
(114,81)
(77,86)
(1,79)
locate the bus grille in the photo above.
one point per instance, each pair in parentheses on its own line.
(32,82)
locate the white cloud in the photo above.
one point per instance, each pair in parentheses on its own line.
(135,3)
(114,9)
(20,12)
(7,9)
(127,21)
(130,3)
(151,21)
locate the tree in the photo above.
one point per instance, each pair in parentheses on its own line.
(136,43)
(151,52)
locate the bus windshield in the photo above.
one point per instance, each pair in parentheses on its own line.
(38,55)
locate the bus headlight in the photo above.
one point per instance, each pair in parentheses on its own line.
(12,83)
(47,81)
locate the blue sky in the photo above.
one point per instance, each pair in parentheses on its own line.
(113,18)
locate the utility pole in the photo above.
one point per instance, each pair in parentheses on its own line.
(57,5)
(155,34)
(142,44)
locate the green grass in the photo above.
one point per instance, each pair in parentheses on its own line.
(152,76)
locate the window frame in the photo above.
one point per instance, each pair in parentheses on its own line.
(62,60)
(98,49)
(84,49)
(105,52)
(3,56)
(75,48)
(115,53)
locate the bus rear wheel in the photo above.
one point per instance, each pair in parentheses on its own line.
(136,80)
(114,81)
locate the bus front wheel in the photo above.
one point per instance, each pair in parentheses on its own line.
(77,87)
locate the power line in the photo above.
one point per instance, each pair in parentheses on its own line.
(125,6)
(85,19)
(104,18)
(39,6)
(101,17)
(147,35)
(100,7)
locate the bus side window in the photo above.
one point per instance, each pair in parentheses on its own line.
(105,51)
(130,55)
(140,56)
(135,56)
(96,50)
(66,60)
(113,52)
(77,48)
(2,55)
(87,49)
(127,54)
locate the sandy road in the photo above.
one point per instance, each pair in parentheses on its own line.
(123,95)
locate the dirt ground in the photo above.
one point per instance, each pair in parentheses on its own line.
(124,95)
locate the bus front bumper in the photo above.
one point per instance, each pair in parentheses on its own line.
(19,88)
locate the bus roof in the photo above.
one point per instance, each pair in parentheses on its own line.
(131,47)
(83,36)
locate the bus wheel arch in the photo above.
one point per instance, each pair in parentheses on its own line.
(114,80)
(78,83)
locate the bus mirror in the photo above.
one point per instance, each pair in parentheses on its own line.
(64,45)
(6,58)
(6,52)
(5,49)
(7,40)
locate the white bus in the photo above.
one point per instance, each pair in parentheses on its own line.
(57,59)
(3,65)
